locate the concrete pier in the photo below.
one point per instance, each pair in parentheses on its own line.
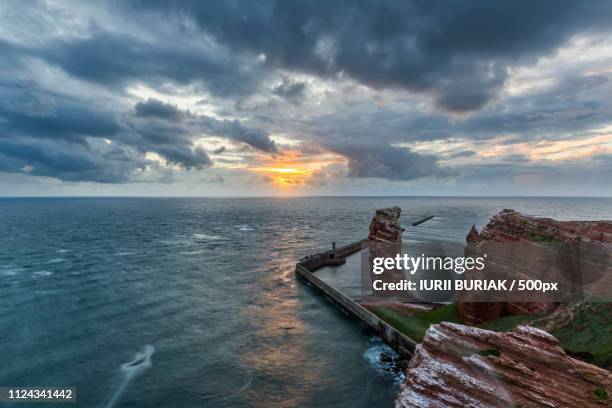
(306,270)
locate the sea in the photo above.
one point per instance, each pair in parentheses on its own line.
(193,302)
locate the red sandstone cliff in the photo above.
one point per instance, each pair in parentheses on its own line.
(460,366)
(538,239)
(385,225)
(385,240)
(510,225)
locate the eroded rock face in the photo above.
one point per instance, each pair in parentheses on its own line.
(385,240)
(510,225)
(385,226)
(536,236)
(462,366)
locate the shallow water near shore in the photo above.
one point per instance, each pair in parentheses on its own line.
(186,302)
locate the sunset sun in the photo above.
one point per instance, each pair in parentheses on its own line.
(291,169)
(288,176)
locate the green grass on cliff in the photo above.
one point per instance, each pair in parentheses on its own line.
(416,326)
(507,323)
(587,334)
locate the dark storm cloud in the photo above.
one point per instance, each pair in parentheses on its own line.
(43,127)
(68,162)
(61,137)
(457,52)
(158,109)
(233,129)
(183,155)
(116,60)
(570,104)
(369,159)
(26,111)
(156,133)
(290,89)
(574,103)
(46,134)
(174,123)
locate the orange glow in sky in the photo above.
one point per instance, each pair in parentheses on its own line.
(290,169)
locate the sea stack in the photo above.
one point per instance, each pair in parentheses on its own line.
(385,240)
(385,226)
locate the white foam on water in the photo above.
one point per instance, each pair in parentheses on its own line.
(191,252)
(384,368)
(206,237)
(10,270)
(62,251)
(42,273)
(124,253)
(244,228)
(132,369)
(56,260)
(172,242)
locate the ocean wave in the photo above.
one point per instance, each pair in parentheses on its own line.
(10,270)
(191,252)
(206,237)
(62,251)
(55,260)
(385,368)
(124,253)
(244,228)
(8,273)
(132,369)
(176,242)
(42,273)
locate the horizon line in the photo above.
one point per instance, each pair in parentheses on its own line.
(304,196)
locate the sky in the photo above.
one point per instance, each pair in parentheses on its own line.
(284,98)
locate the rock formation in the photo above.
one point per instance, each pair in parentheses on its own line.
(385,240)
(510,225)
(461,366)
(579,251)
(385,226)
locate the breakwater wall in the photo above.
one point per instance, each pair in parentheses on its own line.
(306,270)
